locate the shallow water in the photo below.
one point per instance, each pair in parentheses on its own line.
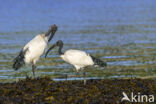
(121,32)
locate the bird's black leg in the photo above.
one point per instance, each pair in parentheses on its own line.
(33,70)
(84,76)
(66,76)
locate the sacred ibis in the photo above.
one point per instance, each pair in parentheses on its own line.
(34,49)
(79,59)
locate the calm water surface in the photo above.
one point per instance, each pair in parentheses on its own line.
(121,32)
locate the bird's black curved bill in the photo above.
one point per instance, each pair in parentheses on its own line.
(53,46)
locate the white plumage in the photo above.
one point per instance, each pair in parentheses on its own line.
(34,49)
(79,59)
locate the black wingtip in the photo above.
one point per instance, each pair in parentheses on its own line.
(98,62)
(19,60)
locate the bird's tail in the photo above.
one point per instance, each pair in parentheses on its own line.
(98,62)
(19,60)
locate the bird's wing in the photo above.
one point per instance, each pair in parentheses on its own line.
(36,47)
(77,57)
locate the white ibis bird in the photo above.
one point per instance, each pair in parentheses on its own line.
(79,59)
(34,49)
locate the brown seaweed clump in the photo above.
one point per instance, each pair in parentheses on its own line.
(46,91)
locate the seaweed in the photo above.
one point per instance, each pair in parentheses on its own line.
(97,91)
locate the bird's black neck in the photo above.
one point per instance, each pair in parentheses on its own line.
(47,33)
(52,30)
(51,36)
(51,33)
(60,49)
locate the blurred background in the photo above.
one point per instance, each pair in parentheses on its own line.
(121,32)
